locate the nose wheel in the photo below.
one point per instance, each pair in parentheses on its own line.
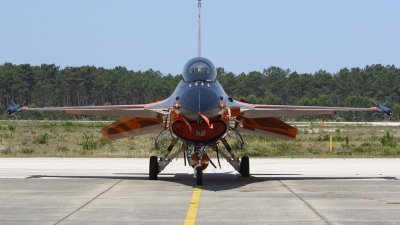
(199,175)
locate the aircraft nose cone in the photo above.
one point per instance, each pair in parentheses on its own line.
(199,100)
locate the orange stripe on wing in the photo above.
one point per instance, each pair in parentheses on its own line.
(132,126)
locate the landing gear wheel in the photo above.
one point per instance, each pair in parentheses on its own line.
(153,168)
(245,167)
(199,175)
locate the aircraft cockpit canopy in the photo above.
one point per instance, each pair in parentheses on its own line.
(199,69)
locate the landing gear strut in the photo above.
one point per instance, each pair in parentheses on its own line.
(197,158)
(157,166)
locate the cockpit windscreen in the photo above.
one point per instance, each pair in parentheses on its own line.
(199,69)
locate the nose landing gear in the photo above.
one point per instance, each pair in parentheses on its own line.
(199,175)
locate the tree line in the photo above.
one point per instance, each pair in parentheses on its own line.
(48,85)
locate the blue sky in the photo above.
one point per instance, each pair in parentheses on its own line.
(241,36)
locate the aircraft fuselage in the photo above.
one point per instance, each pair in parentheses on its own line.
(200,97)
(198,102)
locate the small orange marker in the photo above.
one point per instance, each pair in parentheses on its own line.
(323,123)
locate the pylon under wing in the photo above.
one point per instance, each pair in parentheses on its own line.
(132,126)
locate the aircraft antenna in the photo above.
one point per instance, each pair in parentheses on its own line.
(199,37)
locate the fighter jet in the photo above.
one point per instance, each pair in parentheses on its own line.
(199,116)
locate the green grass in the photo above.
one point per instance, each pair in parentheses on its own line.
(76,139)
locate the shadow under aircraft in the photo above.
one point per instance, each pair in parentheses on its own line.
(217,182)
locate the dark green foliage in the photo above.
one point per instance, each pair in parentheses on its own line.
(334,138)
(68,126)
(88,142)
(235,146)
(103,142)
(48,85)
(11,127)
(343,153)
(388,140)
(314,151)
(6,151)
(41,139)
(389,151)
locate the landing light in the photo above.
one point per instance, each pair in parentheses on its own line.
(222,105)
(177,106)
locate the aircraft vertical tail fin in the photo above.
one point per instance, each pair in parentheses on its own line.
(199,37)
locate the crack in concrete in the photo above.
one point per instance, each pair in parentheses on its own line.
(87,203)
(308,205)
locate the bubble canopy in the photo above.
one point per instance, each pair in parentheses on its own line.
(199,69)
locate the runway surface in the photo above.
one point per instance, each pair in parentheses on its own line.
(117,191)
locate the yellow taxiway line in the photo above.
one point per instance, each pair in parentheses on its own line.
(194,205)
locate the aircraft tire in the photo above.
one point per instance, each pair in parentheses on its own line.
(153,168)
(199,175)
(245,167)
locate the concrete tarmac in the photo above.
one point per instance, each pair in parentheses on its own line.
(117,191)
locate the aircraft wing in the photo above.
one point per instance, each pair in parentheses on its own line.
(150,110)
(136,119)
(259,111)
(292,110)
(261,119)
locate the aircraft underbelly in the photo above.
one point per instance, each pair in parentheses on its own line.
(199,134)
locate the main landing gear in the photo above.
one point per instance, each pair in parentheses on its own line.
(245,167)
(153,168)
(197,158)
(242,166)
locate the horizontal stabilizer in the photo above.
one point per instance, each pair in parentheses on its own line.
(266,127)
(131,127)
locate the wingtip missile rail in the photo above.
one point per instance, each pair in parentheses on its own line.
(382,109)
(15,109)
